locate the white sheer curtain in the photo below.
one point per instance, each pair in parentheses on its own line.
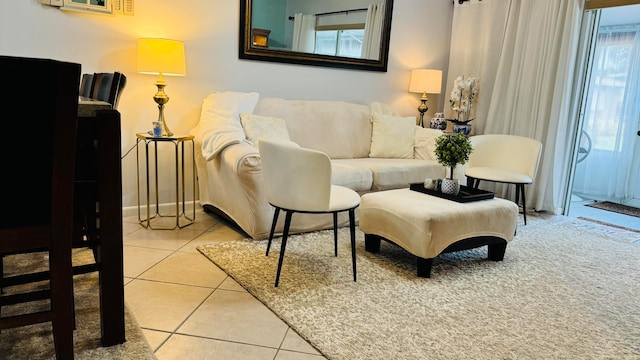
(610,171)
(476,44)
(373,32)
(304,33)
(531,92)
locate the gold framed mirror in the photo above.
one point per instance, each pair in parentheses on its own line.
(351,34)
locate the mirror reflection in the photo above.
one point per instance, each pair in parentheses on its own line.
(345,33)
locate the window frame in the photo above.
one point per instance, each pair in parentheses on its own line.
(86,5)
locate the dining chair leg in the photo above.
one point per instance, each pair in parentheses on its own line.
(524,202)
(352,230)
(273,228)
(335,233)
(1,274)
(61,285)
(285,234)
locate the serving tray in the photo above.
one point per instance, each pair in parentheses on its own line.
(466,194)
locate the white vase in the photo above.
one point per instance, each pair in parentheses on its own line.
(450,186)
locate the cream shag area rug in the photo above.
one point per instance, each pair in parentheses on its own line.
(565,290)
(36,341)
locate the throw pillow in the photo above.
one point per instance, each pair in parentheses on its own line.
(425,143)
(220,122)
(257,126)
(392,136)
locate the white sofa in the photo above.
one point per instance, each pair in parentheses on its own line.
(371,150)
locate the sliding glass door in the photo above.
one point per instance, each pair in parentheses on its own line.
(608,166)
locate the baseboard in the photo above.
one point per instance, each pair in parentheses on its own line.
(164,208)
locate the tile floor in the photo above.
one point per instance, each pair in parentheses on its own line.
(578,209)
(189,308)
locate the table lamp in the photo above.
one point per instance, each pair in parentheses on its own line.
(425,81)
(161,57)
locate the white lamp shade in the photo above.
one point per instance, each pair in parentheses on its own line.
(426,81)
(161,56)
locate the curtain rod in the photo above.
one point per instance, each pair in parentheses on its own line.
(462,1)
(335,12)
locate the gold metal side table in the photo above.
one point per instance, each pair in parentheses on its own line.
(182,217)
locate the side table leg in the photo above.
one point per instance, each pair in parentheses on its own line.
(193,180)
(138,177)
(146,157)
(177,180)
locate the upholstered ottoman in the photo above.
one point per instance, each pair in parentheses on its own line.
(427,226)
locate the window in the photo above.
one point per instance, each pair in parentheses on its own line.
(347,42)
(103,6)
(610,87)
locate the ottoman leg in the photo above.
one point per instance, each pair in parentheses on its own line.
(496,251)
(424,267)
(372,243)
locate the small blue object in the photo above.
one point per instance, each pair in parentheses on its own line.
(157,129)
(438,185)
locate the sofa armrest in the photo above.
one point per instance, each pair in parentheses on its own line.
(242,157)
(234,154)
(233,183)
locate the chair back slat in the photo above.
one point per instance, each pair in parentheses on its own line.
(108,87)
(86,85)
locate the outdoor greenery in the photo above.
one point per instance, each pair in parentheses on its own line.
(452,150)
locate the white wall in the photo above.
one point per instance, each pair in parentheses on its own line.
(101,43)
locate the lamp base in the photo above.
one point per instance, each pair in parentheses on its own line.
(165,128)
(161,98)
(423,108)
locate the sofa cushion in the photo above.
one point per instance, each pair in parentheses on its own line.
(357,178)
(257,126)
(396,173)
(339,129)
(392,136)
(425,143)
(220,122)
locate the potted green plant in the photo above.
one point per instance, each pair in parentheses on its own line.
(450,151)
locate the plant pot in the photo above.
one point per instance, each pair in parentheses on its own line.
(463,128)
(450,186)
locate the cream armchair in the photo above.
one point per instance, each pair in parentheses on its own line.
(298,180)
(506,159)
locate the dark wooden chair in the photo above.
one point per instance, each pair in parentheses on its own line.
(108,87)
(38,190)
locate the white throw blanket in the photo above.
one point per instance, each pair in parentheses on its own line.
(220,120)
